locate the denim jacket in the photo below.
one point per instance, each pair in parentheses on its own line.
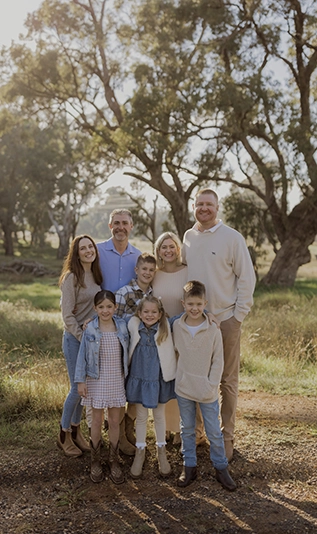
(88,356)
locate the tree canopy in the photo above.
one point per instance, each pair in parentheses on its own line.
(188,92)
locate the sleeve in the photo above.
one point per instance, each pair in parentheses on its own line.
(246,280)
(68,306)
(121,301)
(216,368)
(172,320)
(80,370)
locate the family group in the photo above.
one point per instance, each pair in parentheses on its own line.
(158,332)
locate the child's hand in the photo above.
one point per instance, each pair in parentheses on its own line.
(213,319)
(85,324)
(82,389)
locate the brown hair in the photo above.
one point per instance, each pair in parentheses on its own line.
(145,258)
(159,242)
(72,263)
(194,288)
(162,328)
(104,294)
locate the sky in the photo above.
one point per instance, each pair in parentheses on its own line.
(12,18)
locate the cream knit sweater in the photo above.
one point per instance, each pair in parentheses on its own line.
(220,259)
(200,361)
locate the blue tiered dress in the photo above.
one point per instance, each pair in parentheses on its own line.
(145,384)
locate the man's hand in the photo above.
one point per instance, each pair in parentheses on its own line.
(213,319)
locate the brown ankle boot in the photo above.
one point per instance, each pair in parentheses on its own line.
(129,429)
(188,475)
(116,474)
(65,442)
(79,439)
(96,473)
(124,445)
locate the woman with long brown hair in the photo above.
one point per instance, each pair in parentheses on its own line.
(80,280)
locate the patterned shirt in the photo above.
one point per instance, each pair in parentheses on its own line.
(128,297)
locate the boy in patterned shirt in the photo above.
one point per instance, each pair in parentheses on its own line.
(128,297)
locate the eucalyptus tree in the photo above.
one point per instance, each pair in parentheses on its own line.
(133,75)
(184,92)
(26,151)
(265,89)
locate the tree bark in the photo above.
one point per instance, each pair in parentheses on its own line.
(294,250)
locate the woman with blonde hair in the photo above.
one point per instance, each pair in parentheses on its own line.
(169,280)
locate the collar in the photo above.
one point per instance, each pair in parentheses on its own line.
(110,246)
(212,229)
(142,326)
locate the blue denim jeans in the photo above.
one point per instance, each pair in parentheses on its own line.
(72,409)
(210,413)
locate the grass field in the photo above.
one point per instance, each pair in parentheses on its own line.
(278,354)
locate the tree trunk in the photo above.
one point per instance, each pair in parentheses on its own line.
(63,245)
(292,254)
(8,239)
(294,251)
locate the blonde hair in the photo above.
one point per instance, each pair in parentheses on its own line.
(162,322)
(159,242)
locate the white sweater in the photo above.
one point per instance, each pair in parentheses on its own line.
(220,259)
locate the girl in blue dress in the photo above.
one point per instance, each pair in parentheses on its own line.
(150,382)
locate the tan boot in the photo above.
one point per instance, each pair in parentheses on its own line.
(137,466)
(129,429)
(164,465)
(96,473)
(65,442)
(124,445)
(79,439)
(116,473)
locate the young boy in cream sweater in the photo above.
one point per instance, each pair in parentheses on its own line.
(199,368)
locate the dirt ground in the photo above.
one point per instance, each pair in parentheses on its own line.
(275,465)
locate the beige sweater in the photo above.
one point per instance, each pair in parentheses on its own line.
(220,259)
(200,361)
(169,288)
(77,303)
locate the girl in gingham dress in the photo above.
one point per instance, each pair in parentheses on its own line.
(100,372)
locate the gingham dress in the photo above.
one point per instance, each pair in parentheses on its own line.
(107,391)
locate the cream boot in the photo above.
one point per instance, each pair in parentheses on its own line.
(96,473)
(124,445)
(116,474)
(79,439)
(137,466)
(164,465)
(65,442)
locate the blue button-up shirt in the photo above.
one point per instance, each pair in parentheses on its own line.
(117,269)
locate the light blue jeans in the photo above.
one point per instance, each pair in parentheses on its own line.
(72,409)
(210,413)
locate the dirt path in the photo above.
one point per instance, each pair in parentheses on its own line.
(274,464)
